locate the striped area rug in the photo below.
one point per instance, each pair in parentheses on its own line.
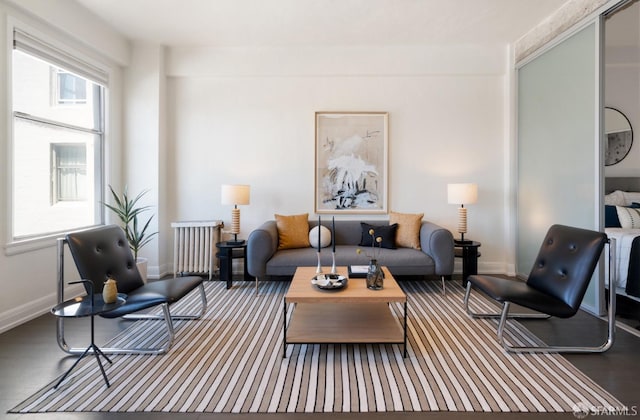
(231,361)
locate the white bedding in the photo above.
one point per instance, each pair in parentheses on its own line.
(624,238)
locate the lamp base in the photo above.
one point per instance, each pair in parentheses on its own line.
(462,241)
(237,243)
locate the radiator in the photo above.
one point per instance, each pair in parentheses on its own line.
(194,245)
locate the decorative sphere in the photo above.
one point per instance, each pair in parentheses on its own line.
(325,237)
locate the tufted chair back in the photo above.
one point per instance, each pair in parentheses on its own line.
(102,253)
(565,263)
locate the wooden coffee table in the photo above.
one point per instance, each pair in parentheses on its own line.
(353,314)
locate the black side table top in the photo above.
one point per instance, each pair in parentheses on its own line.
(458,243)
(227,244)
(82,306)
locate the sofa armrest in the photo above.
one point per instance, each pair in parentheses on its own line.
(437,242)
(261,245)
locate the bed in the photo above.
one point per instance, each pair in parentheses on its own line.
(622,222)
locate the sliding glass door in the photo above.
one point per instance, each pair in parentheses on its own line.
(558,151)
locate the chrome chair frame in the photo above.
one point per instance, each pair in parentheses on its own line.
(504,314)
(166,316)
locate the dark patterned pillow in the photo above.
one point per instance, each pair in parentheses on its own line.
(611,217)
(386,232)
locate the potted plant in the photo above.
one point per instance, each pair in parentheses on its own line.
(127,211)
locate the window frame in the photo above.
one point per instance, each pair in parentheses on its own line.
(57,42)
(56,169)
(56,91)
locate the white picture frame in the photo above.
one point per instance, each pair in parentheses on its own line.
(351,162)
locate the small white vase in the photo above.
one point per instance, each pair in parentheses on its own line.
(110,291)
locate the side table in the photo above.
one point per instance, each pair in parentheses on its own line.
(89,305)
(468,251)
(227,252)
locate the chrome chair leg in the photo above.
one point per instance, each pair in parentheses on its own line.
(611,327)
(118,350)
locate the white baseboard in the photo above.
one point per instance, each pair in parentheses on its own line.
(24,313)
(31,310)
(488,267)
(496,268)
(153,272)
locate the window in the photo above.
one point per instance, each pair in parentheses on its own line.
(69,169)
(56,150)
(70,89)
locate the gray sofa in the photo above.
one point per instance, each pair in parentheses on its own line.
(435,258)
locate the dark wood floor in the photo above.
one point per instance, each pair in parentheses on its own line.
(30,358)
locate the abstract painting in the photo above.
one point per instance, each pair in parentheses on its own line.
(351,162)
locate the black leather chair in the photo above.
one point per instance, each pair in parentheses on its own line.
(555,287)
(104,252)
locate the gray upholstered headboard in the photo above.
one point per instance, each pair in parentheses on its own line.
(624,183)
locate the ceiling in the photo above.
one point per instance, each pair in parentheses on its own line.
(262,23)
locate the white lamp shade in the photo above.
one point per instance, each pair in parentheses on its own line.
(235,194)
(462,193)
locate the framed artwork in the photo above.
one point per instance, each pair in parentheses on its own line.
(351,167)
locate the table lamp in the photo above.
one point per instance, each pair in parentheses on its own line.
(462,194)
(236,195)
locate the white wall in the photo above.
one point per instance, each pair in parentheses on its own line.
(28,271)
(247,116)
(238,115)
(144,134)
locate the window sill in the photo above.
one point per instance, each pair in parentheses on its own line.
(23,246)
(29,245)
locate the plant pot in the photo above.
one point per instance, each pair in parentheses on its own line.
(142,263)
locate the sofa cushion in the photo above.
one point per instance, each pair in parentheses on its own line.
(386,232)
(401,261)
(293,231)
(408,233)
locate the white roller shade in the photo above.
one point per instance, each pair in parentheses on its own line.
(35,47)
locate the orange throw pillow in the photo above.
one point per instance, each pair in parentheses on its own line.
(293,231)
(408,232)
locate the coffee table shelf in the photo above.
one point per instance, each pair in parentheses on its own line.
(339,323)
(354,314)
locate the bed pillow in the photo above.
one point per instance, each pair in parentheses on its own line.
(629,217)
(408,233)
(611,217)
(293,231)
(630,198)
(615,198)
(387,233)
